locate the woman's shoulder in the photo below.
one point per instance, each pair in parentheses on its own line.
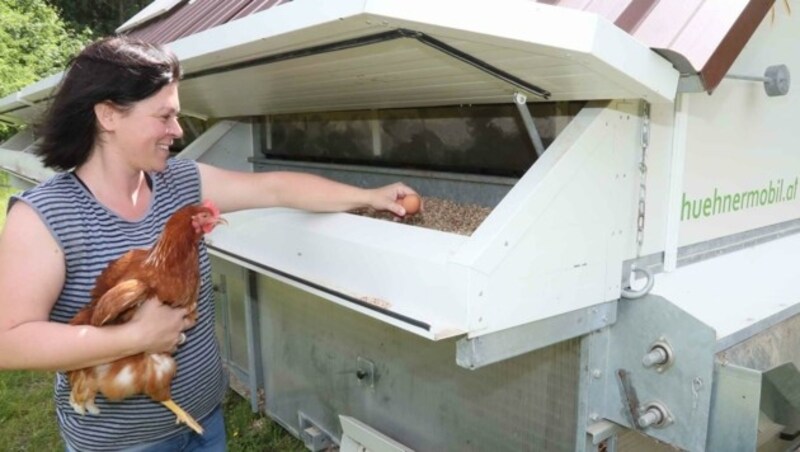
(56,189)
(179,169)
(180,179)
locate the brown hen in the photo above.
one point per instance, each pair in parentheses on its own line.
(169,271)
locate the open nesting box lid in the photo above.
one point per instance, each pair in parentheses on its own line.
(355,54)
(324,56)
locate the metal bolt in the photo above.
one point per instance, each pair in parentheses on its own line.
(597,373)
(594,417)
(653,416)
(657,356)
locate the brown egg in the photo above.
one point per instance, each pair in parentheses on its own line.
(411,203)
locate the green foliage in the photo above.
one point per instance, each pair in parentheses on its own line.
(34,43)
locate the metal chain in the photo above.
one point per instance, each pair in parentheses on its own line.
(643,179)
(628,292)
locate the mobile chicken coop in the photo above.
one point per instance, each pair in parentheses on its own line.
(595,141)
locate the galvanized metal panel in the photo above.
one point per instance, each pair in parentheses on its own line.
(230,296)
(512,342)
(620,387)
(420,397)
(734,408)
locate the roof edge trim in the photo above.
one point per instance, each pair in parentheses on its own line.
(734,41)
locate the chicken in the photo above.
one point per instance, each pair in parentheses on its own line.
(169,271)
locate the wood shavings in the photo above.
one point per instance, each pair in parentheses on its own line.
(439,214)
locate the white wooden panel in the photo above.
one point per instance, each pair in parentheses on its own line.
(24,164)
(738,291)
(554,244)
(740,140)
(400,268)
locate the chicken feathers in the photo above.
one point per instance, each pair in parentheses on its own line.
(170,272)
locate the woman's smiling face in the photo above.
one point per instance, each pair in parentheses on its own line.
(144,133)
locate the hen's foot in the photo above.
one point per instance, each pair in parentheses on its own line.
(183,416)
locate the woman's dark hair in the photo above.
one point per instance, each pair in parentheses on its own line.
(119,70)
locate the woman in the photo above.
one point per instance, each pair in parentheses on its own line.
(109,130)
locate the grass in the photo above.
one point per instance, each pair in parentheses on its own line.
(27,412)
(28,419)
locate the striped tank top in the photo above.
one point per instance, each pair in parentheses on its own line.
(91,236)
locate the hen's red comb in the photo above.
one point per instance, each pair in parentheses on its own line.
(207,203)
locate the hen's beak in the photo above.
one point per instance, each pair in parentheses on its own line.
(220,220)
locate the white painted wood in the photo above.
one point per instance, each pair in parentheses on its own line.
(233,146)
(151,11)
(554,244)
(24,164)
(738,139)
(676,183)
(400,268)
(204,142)
(360,437)
(739,290)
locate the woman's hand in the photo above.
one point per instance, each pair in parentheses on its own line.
(159,327)
(386,198)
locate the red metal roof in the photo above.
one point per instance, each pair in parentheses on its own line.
(195,16)
(697,36)
(700,37)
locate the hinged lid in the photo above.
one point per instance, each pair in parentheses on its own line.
(317,56)
(354,54)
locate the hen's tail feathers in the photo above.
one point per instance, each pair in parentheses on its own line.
(183,416)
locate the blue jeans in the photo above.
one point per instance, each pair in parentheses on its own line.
(212,440)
